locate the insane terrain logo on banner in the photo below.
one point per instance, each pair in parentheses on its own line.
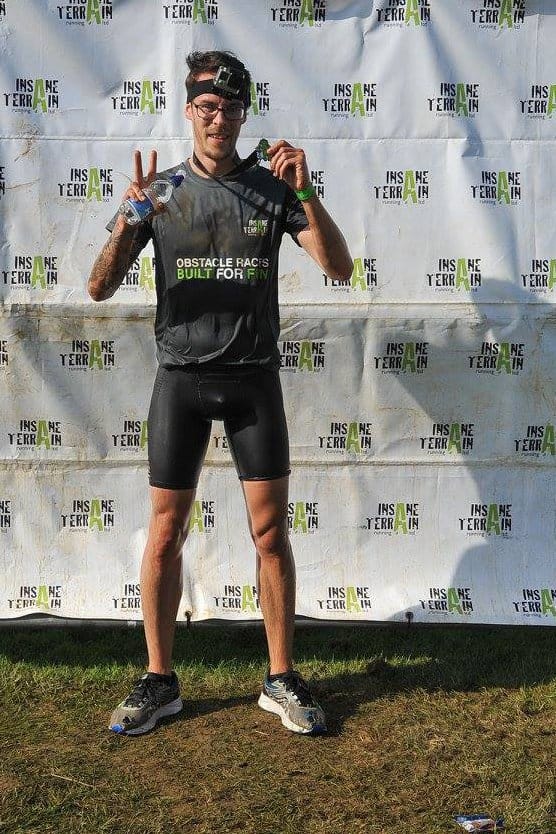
(89,355)
(203,516)
(541,103)
(498,14)
(133,437)
(129,599)
(4,354)
(88,184)
(36,272)
(455,99)
(318,181)
(5,514)
(364,277)
(89,515)
(403,358)
(499,358)
(202,12)
(394,518)
(260,98)
(347,437)
(448,600)
(541,280)
(302,356)
(539,441)
(410,187)
(35,434)
(487,520)
(455,275)
(347,599)
(404,12)
(303,516)
(305,14)
(44,597)
(141,275)
(449,439)
(357,99)
(84,12)
(499,188)
(242,599)
(138,97)
(33,95)
(536,602)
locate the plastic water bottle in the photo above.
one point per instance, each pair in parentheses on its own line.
(159,191)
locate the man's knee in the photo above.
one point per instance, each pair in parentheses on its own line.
(272,541)
(168,533)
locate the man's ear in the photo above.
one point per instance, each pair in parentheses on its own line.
(188,111)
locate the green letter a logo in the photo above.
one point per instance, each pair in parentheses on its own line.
(454,440)
(453,602)
(547,603)
(248,600)
(400,519)
(307,12)
(358,280)
(39,95)
(409,187)
(38,275)
(43,437)
(462,275)
(503,188)
(196,518)
(352,603)
(548,444)
(507,13)
(493,519)
(357,100)
(93,11)
(147,97)
(353,442)
(42,597)
(306,357)
(95,354)
(299,518)
(461,101)
(199,11)
(93,185)
(95,517)
(503,363)
(412,13)
(144,438)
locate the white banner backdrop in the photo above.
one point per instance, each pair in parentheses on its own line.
(420,397)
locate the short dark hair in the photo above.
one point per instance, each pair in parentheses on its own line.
(199,62)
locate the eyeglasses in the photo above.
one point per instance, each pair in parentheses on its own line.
(208,110)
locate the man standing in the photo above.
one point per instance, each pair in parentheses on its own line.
(217,323)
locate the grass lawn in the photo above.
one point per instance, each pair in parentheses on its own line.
(424,723)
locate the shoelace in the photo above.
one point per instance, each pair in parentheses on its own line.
(296,685)
(143,689)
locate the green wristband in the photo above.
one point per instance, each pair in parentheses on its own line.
(306,193)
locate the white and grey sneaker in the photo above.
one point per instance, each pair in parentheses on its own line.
(152,697)
(289,697)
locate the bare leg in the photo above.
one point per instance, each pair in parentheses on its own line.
(161,573)
(267,507)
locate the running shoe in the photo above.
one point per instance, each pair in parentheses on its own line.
(152,697)
(289,697)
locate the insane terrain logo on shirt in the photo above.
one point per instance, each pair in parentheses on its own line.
(133,437)
(539,441)
(4,354)
(448,601)
(347,437)
(203,516)
(82,12)
(38,95)
(410,187)
(33,271)
(501,188)
(256,227)
(130,598)
(296,13)
(536,602)
(542,277)
(363,277)
(88,184)
(191,11)
(140,275)
(403,358)
(498,14)
(242,270)
(456,275)
(449,439)
(303,516)
(357,99)
(89,514)
(260,98)
(394,518)
(45,597)
(36,434)
(140,97)
(240,598)
(487,520)
(404,13)
(499,358)
(302,356)
(351,599)
(89,355)
(456,99)
(5,514)
(541,103)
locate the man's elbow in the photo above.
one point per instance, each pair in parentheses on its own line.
(95,290)
(341,271)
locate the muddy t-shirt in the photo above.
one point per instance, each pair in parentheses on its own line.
(216,258)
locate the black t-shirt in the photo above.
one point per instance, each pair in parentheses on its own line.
(216,258)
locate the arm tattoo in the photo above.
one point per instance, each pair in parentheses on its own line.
(110,268)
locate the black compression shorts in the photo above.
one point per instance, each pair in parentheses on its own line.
(184,403)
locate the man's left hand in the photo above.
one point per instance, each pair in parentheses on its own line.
(289,164)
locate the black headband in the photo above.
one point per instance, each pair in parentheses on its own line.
(228,83)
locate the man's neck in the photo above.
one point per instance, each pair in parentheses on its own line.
(213,167)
